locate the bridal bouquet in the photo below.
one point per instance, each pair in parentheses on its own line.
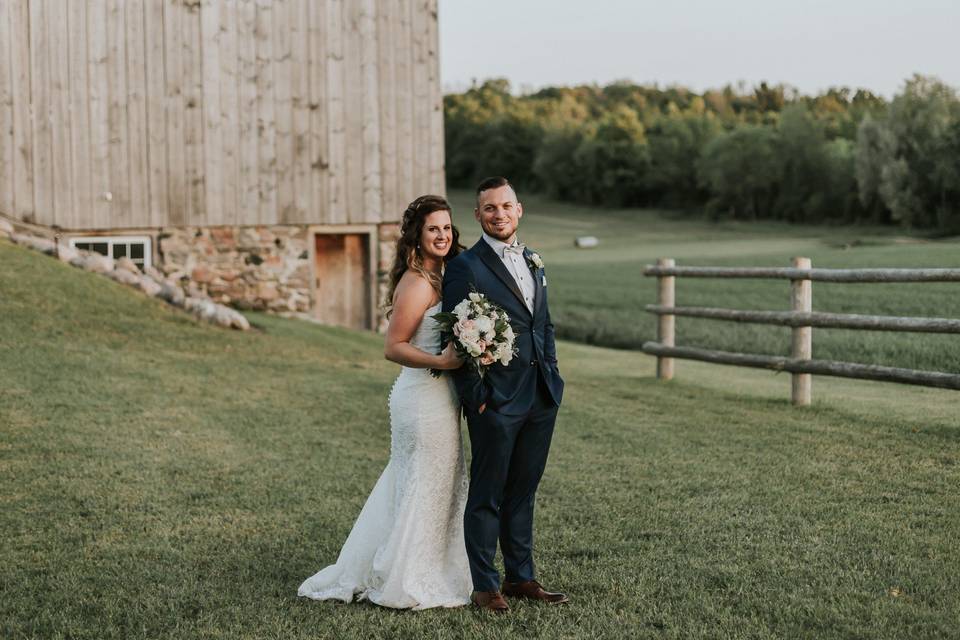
(481,332)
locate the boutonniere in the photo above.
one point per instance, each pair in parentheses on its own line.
(534,261)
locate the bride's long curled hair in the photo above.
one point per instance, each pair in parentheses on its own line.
(408,255)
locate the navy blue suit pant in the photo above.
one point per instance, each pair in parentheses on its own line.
(509,456)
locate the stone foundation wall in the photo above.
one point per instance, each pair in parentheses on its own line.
(262,268)
(387,236)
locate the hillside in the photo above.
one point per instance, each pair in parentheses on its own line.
(167,479)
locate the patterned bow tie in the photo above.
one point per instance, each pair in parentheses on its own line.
(517,249)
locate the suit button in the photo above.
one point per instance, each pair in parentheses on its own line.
(533,362)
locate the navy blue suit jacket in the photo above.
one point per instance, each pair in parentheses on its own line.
(507,389)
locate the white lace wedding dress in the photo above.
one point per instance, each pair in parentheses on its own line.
(406,548)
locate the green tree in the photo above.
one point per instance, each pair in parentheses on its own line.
(801,160)
(614,160)
(875,149)
(769,98)
(948,176)
(839,190)
(676,144)
(917,183)
(510,145)
(558,165)
(466,120)
(740,171)
(817,176)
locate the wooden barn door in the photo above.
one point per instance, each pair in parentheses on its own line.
(343,281)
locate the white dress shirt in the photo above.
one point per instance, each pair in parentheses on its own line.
(517,267)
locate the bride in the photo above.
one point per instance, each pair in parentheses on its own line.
(406,549)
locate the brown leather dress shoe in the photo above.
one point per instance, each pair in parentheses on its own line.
(490,600)
(533,591)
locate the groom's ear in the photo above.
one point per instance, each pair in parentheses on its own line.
(519,210)
(476,213)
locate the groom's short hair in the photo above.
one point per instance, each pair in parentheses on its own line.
(494,182)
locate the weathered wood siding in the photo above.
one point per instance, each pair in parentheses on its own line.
(150,113)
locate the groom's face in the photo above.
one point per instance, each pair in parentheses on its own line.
(499,213)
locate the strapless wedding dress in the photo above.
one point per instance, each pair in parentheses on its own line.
(406,549)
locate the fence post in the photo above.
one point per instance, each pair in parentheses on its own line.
(801,300)
(665,322)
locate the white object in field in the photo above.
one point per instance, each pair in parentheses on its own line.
(586,242)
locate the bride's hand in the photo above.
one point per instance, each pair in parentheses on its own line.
(449,359)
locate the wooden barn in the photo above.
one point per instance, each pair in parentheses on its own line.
(261,151)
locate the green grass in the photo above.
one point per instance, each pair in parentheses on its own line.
(166,479)
(597,296)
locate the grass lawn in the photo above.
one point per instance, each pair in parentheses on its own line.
(597,296)
(166,479)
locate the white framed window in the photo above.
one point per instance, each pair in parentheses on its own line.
(137,248)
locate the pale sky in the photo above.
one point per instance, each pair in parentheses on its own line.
(700,44)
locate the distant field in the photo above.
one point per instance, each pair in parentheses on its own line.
(170,480)
(597,295)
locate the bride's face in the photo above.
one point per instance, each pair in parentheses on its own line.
(437,235)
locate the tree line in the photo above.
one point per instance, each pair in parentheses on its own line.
(763,153)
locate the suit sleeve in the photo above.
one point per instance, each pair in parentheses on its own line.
(457,282)
(549,343)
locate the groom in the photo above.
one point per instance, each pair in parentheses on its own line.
(511,409)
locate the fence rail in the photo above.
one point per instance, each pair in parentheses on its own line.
(819,367)
(820,319)
(819,275)
(801,318)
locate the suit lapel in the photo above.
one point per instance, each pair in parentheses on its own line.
(493,262)
(537,282)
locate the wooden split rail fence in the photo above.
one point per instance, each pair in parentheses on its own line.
(801,318)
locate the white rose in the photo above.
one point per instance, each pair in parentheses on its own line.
(473,347)
(484,325)
(476,297)
(469,335)
(508,334)
(462,310)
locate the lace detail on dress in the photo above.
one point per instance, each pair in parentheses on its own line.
(406,549)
